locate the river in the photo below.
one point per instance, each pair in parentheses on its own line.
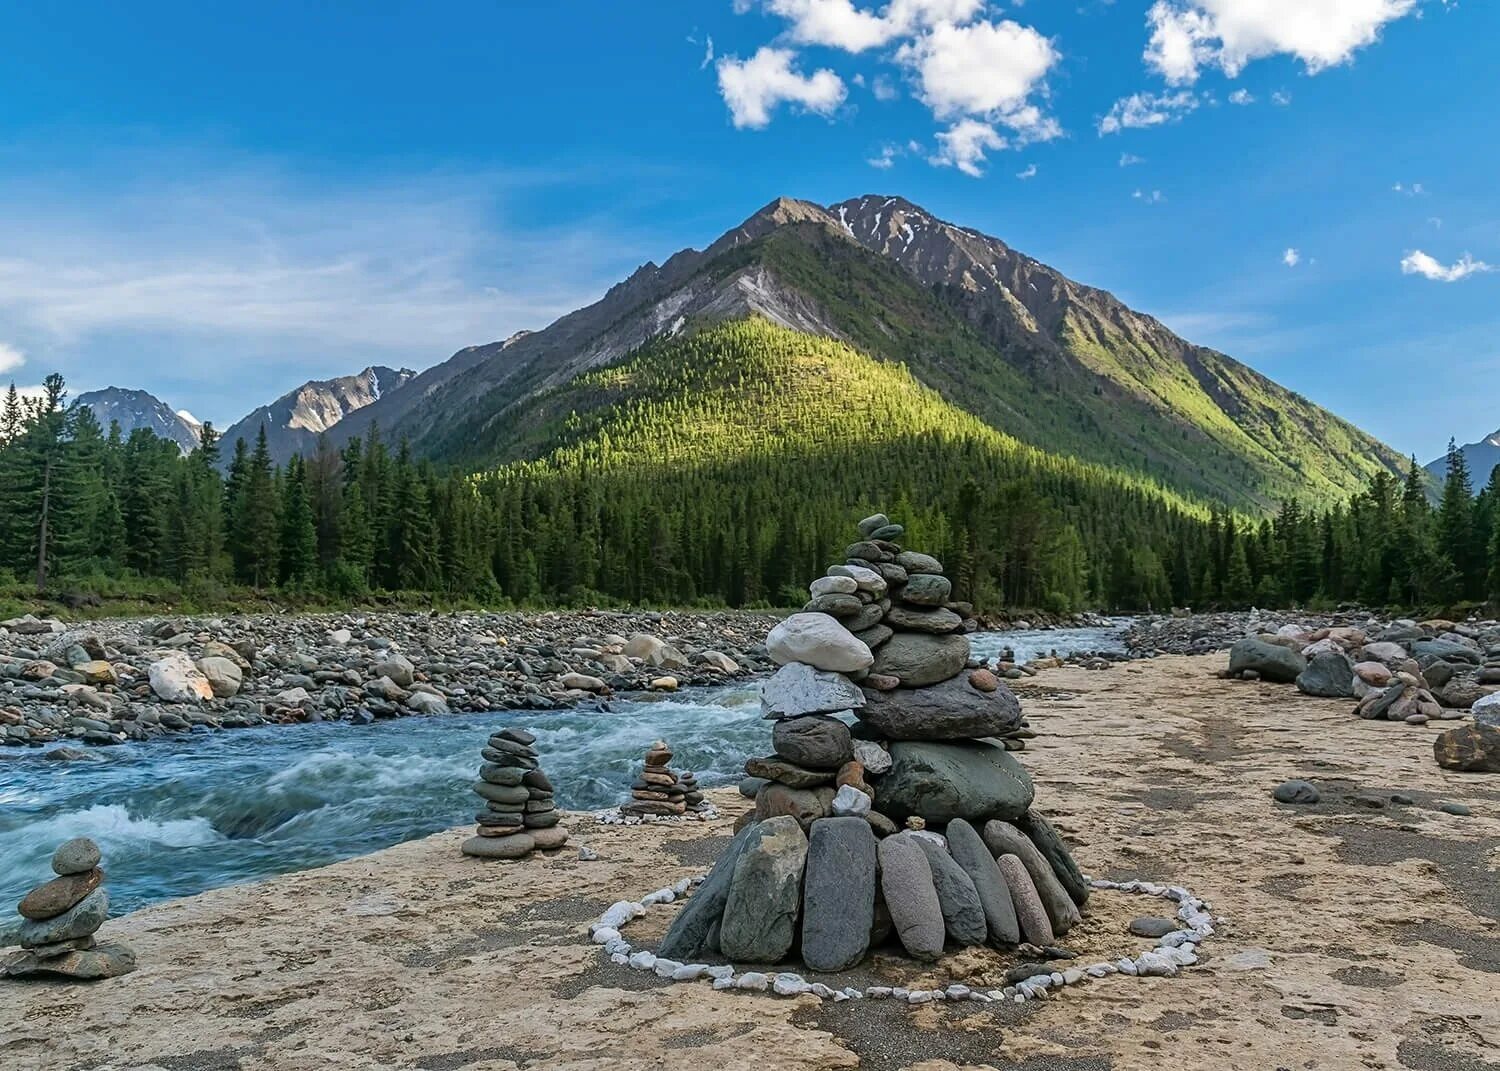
(178,816)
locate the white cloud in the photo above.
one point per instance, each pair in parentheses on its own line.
(1189,35)
(1140,110)
(1028,172)
(986,69)
(754,87)
(1291,258)
(10,358)
(1241,96)
(887,158)
(1435,222)
(1419,263)
(964,144)
(884,88)
(708,53)
(1151,197)
(1281,98)
(840,24)
(1130,159)
(1414,189)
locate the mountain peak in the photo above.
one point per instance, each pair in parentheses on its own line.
(132,409)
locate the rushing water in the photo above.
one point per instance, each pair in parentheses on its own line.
(184,814)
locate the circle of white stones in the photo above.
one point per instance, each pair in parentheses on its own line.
(611,816)
(1174,951)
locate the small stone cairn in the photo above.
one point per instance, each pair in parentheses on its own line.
(657,792)
(60,918)
(519,815)
(823,863)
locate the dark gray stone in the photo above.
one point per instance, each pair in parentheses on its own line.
(1329,674)
(838,899)
(687,937)
(80,920)
(815,741)
(927,589)
(1447,650)
(934,620)
(1002,838)
(76,856)
(82,964)
(943,781)
(963,914)
(951,710)
(1296,792)
(1069,876)
(968,851)
(765,894)
(1272,661)
(1150,926)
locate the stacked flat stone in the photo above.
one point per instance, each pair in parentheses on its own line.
(658,792)
(883,721)
(692,795)
(60,918)
(520,815)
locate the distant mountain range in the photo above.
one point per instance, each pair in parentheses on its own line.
(1002,338)
(1481,458)
(133,409)
(294,421)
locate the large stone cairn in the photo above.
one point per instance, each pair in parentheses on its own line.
(823,864)
(60,918)
(658,792)
(519,814)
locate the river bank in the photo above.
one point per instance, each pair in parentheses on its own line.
(1359,933)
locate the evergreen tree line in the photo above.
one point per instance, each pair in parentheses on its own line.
(81,505)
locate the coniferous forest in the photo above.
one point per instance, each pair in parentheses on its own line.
(648,483)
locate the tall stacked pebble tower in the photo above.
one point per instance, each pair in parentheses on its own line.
(60,918)
(916,821)
(519,815)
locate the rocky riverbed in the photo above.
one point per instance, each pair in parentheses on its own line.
(1359,932)
(113,681)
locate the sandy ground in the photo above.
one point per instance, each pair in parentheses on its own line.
(1358,936)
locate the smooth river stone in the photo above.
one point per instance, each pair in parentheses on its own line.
(963,914)
(1002,838)
(838,899)
(502,793)
(75,856)
(927,589)
(80,920)
(818,640)
(917,659)
(914,562)
(833,585)
(952,710)
(968,851)
(58,895)
(765,894)
(797,688)
(1031,915)
(687,937)
(509,776)
(943,781)
(1050,844)
(85,964)
(911,897)
(936,620)
(515,846)
(815,741)
(775,768)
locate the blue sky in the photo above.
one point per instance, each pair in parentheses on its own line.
(217,202)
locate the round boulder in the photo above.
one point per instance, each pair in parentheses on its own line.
(815,741)
(918,659)
(1271,660)
(950,710)
(943,781)
(765,894)
(818,640)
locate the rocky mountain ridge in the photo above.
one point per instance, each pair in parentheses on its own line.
(133,409)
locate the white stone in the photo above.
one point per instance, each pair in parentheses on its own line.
(643,961)
(1488,704)
(865,579)
(603,935)
(665,968)
(720,970)
(820,641)
(175,679)
(689,972)
(850,802)
(582,681)
(752,980)
(340,636)
(790,985)
(875,759)
(619,913)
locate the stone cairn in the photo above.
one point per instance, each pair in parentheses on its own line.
(60,918)
(519,815)
(659,792)
(823,864)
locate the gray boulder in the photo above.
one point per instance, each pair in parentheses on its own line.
(911,897)
(943,781)
(687,937)
(917,659)
(814,741)
(1272,661)
(1447,651)
(951,710)
(838,899)
(1329,674)
(765,894)
(963,914)
(80,920)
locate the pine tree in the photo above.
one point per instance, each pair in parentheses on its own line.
(298,556)
(1455,529)
(256,524)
